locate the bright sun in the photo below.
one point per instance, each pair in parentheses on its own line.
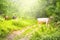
(28,7)
(26,4)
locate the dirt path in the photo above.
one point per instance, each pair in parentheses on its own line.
(29,35)
(19,32)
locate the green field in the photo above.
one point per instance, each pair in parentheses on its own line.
(19,20)
(31,30)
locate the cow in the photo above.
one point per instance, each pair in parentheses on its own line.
(6,17)
(43,20)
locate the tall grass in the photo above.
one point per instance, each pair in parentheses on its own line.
(47,33)
(7,26)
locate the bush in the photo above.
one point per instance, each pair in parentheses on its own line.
(44,33)
(6,26)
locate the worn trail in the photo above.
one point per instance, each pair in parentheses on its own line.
(17,33)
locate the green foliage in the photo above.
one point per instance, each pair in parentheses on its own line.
(6,26)
(7,7)
(53,10)
(40,8)
(24,22)
(44,33)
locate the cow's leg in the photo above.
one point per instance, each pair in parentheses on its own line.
(39,24)
(46,23)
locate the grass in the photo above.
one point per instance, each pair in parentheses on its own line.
(38,32)
(41,33)
(44,33)
(7,26)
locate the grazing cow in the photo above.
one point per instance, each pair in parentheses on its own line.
(6,17)
(14,17)
(43,20)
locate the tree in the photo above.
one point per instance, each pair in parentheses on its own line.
(53,9)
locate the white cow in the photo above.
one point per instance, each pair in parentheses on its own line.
(43,20)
